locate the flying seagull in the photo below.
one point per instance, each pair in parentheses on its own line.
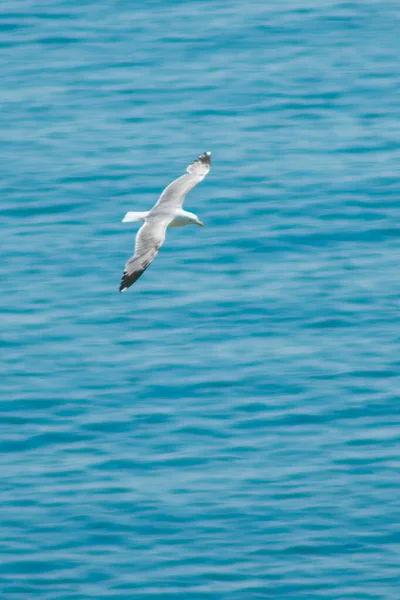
(167,212)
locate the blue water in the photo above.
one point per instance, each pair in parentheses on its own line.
(229,427)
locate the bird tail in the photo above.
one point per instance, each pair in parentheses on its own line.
(134,217)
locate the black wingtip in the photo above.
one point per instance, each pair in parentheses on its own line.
(125,283)
(205,158)
(129,278)
(122,285)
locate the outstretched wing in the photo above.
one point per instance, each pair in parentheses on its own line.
(149,240)
(173,196)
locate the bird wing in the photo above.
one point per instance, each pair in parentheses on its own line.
(173,196)
(149,240)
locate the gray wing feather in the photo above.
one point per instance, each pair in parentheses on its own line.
(173,196)
(149,240)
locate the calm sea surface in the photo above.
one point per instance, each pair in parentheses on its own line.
(229,428)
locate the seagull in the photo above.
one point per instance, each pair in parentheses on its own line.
(167,212)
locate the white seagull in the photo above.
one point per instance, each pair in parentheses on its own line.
(167,212)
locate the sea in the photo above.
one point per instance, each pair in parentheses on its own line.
(228,428)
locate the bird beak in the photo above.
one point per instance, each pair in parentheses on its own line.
(200,224)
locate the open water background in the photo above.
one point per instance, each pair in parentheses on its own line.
(229,427)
